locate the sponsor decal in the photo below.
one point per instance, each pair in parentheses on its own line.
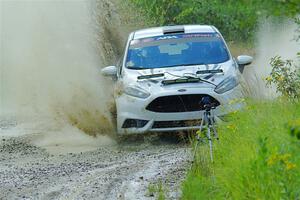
(167,37)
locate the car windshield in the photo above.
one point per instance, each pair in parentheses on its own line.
(176,50)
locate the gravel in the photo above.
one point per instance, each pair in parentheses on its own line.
(111,172)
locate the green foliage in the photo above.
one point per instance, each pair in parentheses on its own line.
(294,127)
(160,12)
(285,76)
(161,192)
(231,17)
(257,156)
(290,8)
(237,20)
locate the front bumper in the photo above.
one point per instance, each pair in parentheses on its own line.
(129,107)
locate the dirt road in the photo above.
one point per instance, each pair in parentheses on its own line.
(126,171)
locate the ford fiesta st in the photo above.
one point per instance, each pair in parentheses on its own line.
(167,71)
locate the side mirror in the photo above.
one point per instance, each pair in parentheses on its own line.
(109,71)
(244,60)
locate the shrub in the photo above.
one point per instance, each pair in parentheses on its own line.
(286,76)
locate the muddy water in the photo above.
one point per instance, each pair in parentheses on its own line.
(51,56)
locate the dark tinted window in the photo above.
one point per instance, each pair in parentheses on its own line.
(176,50)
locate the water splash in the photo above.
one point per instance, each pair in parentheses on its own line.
(274,37)
(51,56)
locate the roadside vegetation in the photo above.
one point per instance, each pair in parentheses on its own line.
(156,190)
(237,20)
(257,156)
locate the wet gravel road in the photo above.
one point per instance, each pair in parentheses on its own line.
(113,172)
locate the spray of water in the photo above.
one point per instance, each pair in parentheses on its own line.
(51,56)
(273,38)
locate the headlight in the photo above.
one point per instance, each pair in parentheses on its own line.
(227,84)
(136,92)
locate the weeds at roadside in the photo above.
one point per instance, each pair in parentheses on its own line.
(156,190)
(257,157)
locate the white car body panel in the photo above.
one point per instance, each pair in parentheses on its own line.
(130,107)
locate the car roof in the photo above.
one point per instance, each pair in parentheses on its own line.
(164,30)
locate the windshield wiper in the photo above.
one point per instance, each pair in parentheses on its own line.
(187,79)
(150,76)
(181,80)
(210,71)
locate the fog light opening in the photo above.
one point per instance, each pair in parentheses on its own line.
(134,123)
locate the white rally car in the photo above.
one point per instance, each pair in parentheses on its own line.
(165,74)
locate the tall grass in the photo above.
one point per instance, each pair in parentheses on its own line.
(256,158)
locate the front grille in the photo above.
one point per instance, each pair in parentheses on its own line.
(179,103)
(176,124)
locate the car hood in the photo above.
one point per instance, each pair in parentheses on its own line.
(153,84)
